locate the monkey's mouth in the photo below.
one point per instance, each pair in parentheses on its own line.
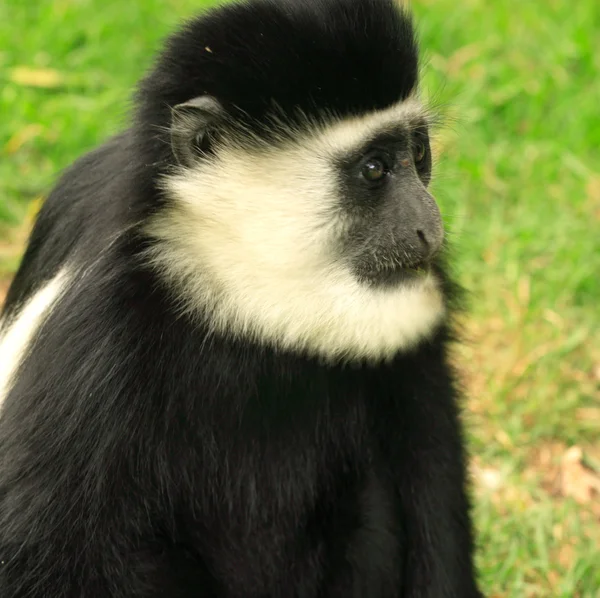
(392,275)
(421,268)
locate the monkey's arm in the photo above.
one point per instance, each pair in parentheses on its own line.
(421,442)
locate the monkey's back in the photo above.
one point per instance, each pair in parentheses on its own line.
(92,203)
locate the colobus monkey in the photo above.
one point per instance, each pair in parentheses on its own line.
(224,366)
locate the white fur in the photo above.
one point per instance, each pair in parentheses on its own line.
(251,238)
(16,335)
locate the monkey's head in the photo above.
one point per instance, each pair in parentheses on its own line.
(296,211)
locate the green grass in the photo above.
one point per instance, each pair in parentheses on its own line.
(519,184)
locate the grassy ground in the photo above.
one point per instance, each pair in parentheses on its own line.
(519,184)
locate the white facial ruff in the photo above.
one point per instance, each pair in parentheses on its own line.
(248,238)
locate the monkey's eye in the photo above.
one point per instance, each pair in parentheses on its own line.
(419,150)
(374,169)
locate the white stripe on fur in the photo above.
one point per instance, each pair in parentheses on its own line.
(16,335)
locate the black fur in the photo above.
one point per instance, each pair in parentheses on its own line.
(141,457)
(346,56)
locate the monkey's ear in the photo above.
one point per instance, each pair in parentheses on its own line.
(190,126)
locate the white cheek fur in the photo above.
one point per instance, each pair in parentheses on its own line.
(17,334)
(248,239)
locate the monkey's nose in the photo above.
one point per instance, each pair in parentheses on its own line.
(431,240)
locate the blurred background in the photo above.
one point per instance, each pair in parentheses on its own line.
(518,180)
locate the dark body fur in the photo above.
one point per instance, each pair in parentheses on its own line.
(143,457)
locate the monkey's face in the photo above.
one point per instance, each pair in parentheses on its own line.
(394,225)
(321,241)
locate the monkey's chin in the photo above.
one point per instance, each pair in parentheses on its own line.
(394,277)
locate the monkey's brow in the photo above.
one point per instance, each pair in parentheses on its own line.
(395,133)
